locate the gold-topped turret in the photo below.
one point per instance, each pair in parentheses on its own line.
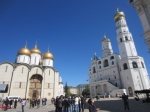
(119,15)
(24,51)
(48,55)
(105,39)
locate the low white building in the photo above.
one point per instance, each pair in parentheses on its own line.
(31,76)
(113,71)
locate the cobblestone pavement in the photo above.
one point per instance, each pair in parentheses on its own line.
(105,105)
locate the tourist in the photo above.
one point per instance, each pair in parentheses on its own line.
(59,103)
(15,103)
(65,104)
(56,104)
(125,100)
(23,103)
(38,103)
(83,103)
(10,103)
(92,108)
(33,103)
(76,104)
(70,104)
(6,102)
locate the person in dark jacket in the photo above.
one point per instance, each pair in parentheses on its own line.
(60,103)
(83,103)
(125,100)
(6,103)
(11,102)
(15,103)
(92,108)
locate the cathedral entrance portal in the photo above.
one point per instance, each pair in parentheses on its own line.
(35,86)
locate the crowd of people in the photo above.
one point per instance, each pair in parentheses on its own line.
(70,104)
(62,103)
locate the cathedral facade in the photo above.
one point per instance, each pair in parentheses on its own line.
(124,71)
(31,76)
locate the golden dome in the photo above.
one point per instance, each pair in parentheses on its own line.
(24,51)
(48,55)
(106,40)
(35,50)
(118,16)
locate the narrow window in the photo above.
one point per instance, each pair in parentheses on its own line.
(112,62)
(36,71)
(109,78)
(116,84)
(142,64)
(49,72)
(125,66)
(48,85)
(6,69)
(120,39)
(99,62)
(20,85)
(24,59)
(126,38)
(115,77)
(99,67)
(106,63)
(22,69)
(94,71)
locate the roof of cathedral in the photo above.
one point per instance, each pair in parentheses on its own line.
(24,51)
(48,55)
(118,15)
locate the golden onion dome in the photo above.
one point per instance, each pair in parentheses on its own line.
(118,16)
(106,40)
(48,55)
(35,50)
(24,51)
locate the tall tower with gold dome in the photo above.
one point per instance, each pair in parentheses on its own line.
(106,47)
(35,56)
(48,59)
(133,72)
(23,55)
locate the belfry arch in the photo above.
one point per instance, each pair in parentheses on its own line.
(35,86)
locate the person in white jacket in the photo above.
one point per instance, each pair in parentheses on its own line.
(23,103)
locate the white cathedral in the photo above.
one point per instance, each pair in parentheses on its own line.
(114,72)
(31,76)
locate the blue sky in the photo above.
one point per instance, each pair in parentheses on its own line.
(73,30)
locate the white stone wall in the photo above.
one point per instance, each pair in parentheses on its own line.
(35,59)
(48,62)
(19,81)
(6,70)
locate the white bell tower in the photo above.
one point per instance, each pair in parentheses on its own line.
(124,37)
(133,71)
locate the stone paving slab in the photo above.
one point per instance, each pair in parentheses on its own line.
(106,105)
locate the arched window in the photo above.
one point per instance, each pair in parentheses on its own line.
(106,63)
(126,38)
(134,64)
(142,64)
(112,57)
(94,71)
(99,62)
(120,39)
(112,62)
(125,66)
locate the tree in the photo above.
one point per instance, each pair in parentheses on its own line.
(67,90)
(86,91)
